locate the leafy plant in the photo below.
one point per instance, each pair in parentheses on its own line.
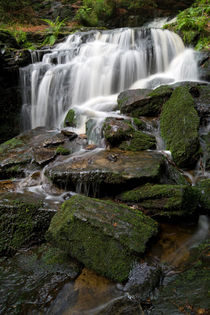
(53,30)
(21,38)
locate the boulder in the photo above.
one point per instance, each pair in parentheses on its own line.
(143,102)
(103,235)
(179,123)
(143,279)
(164,200)
(23,221)
(106,172)
(121,133)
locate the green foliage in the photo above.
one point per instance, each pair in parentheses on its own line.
(94,11)
(53,30)
(21,38)
(192,24)
(62,151)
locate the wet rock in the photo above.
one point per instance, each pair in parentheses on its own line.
(94,173)
(204,188)
(164,200)
(103,235)
(143,279)
(179,124)
(54,140)
(186,292)
(70,134)
(122,305)
(43,155)
(38,145)
(31,279)
(23,221)
(122,134)
(204,66)
(143,102)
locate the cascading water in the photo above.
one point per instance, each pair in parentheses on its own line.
(88,70)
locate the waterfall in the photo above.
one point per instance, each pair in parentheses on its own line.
(88,70)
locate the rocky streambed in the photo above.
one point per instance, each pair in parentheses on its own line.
(67,205)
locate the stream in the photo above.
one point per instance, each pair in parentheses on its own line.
(86,73)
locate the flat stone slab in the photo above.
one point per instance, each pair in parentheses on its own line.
(103,235)
(106,172)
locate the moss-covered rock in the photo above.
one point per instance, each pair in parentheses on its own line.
(139,141)
(204,188)
(107,172)
(103,235)
(121,133)
(116,130)
(164,200)
(187,292)
(23,221)
(142,102)
(139,124)
(179,124)
(70,119)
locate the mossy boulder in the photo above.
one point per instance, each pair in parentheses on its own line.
(164,200)
(143,102)
(106,172)
(204,188)
(139,141)
(103,235)
(116,130)
(121,133)
(23,221)
(179,123)
(70,119)
(187,292)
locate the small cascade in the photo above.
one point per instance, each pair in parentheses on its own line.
(88,70)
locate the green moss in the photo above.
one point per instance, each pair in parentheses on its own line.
(163,90)
(10,144)
(101,234)
(20,223)
(167,200)
(70,120)
(62,151)
(139,141)
(179,124)
(140,124)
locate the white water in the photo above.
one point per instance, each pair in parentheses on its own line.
(88,70)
